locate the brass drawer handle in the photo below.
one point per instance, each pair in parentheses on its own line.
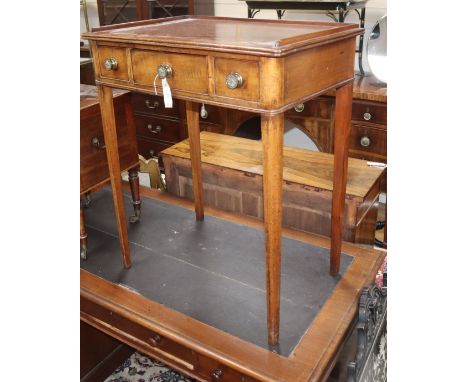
(111,63)
(367,116)
(164,71)
(203,112)
(365,141)
(216,375)
(299,108)
(149,106)
(96,143)
(154,130)
(234,80)
(155,340)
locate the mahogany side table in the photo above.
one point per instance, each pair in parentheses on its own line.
(261,66)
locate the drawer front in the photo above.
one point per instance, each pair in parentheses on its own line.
(120,69)
(157,128)
(150,149)
(318,108)
(189,72)
(143,103)
(248,70)
(93,160)
(368,112)
(368,143)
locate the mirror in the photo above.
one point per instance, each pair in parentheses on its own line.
(377,49)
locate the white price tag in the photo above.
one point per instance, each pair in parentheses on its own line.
(167,94)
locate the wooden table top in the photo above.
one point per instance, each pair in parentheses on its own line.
(301,166)
(274,37)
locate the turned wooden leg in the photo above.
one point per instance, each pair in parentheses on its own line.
(193,124)
(110,138)
(135,189)
(83,236)
(272,138)
(344,98)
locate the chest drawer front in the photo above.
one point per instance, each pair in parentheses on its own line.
(157,128)
(144,103)
(150,149)
(189,72)
(249,73)
(366,112)
(368,143)
(317,108)
(113,63)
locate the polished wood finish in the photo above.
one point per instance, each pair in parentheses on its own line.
(198,349)
(340,170)
(232,181)
(195,156)
(269,44)
(272,139)
(112,150)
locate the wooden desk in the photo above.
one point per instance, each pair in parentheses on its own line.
(260,66)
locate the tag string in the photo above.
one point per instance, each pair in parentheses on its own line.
(154,84)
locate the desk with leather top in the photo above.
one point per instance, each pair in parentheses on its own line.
(261,66)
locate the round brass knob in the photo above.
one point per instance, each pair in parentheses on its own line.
(367,116)
(203,112)
(96,143)
(111,63)
(216,375)
(234,80)
(299,108)
(365,141)
(154,130)
(164,71)
(154,340)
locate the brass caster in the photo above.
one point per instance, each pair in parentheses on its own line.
(83,252)
(135,218)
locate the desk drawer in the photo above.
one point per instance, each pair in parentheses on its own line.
(248,71)
(118,61)
(144,103)
(368,143)
(157,128)
(367,112)
(189,72)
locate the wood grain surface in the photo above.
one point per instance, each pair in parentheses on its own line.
(301,166)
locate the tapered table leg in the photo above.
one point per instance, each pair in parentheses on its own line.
(344,98)
(83,236)
(193,124)
(112,151)
(272,138)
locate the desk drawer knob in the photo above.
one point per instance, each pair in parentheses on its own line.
(365,141)
(164,71)
(154,340)
(234,80)
(216,375)
(111,63)
(154,130)
(155,104)
(299,108)
(367,116)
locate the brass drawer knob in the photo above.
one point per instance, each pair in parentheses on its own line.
(234,80)
(155,104)
(299,108)
(216,375)
(365,141)
(203,112)
(154,130)
(155,340)
(164,71)
(111,63)
(96,143)
(367,116)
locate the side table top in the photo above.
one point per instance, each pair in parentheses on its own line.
(267,37)
(89,96)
